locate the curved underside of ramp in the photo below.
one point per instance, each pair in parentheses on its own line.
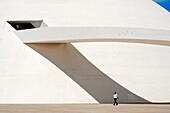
(94,34)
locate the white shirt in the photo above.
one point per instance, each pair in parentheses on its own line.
(115,95)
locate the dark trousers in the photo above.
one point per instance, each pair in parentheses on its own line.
(115,101)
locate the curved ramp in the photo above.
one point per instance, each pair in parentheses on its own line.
(94,34)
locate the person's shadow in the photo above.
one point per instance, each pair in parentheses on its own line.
(67,58)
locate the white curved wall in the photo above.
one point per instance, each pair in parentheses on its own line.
(141,68)
(111,13)
(27,77)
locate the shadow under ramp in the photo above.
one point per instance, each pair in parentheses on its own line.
(67,58)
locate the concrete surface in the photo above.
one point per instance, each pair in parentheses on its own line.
(27,76)
(85,108)
(96,83)
(91,34)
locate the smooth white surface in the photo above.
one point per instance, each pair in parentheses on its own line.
(88,34)
(141,68)
(27,77)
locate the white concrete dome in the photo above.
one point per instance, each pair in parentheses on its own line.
(89,70)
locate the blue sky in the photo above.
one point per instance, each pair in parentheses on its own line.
(164,3)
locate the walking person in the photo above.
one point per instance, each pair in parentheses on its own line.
(115,97)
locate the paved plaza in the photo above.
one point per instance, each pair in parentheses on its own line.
(84,108)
